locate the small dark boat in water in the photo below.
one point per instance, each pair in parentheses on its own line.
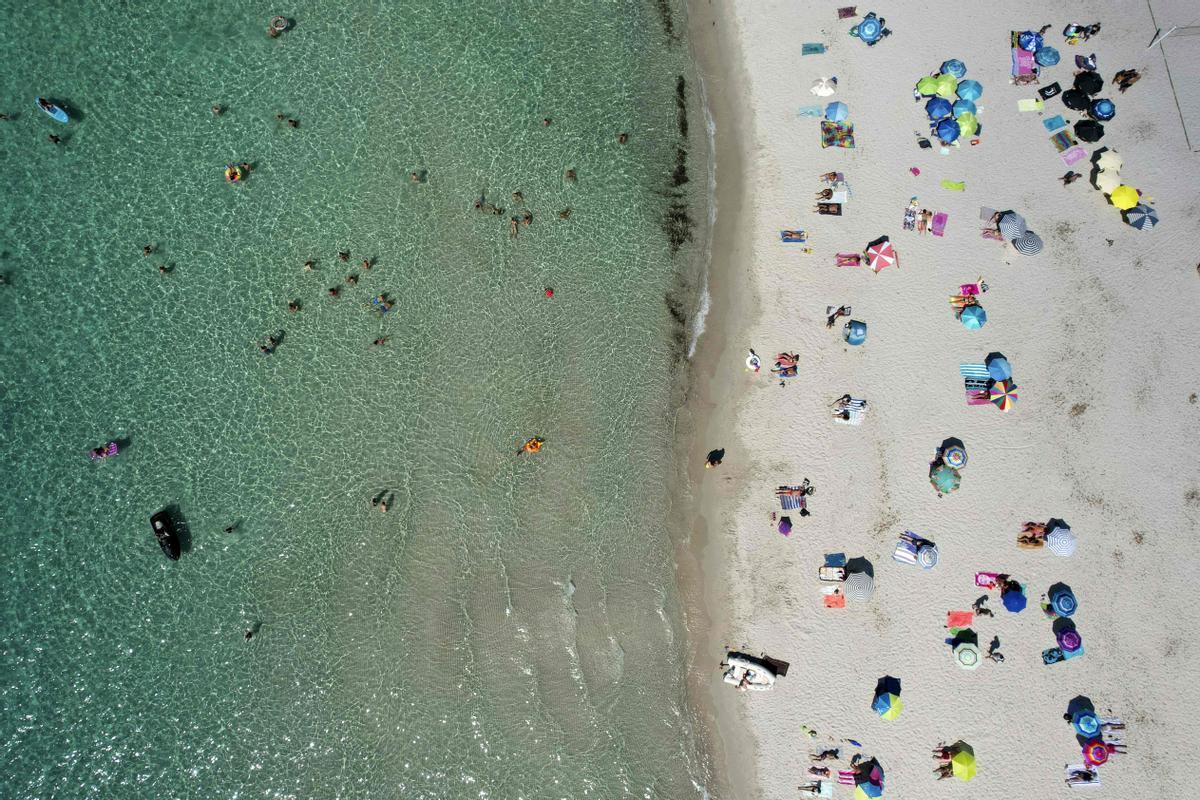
(164,531)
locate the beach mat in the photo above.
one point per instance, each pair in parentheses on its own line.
(954,186)
(812,49)
(837,134)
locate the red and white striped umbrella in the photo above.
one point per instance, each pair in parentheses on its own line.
(880,254)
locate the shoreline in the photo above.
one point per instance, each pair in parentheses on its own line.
(707,414)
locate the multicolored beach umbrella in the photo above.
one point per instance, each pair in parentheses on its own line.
(945,479)
(1085,723)
(973,317)
(867,791)
(1003,394)
(967,655)
(880,254)
(962,763)
(888,705)
(1095,753)
(954,457)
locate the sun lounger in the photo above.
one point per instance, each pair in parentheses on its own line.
(1080,775)
(793,236)
(939,224)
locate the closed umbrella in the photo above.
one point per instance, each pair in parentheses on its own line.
(963,107)
(945,479)
(880,254)
(1089,82)
(1102,109)
(947,86)
(973,317)
(967,123)
(1110,159)
(1012,225)
(1060,541)
(962,763)
(1063,602)
(836,112)
(998,367)
(948,130)
(969,90)
(1028,243)
(938,107)
(1003,394)
(1047,57)
(927,86)
(1142,217)
(927,556)
(1089,130)
(954,67)
(1085,723)
(1014,600)
(1124,197)
(1108,180)
(1030,41)
(967,655)
(954,457)
(1076,100)
(859,586)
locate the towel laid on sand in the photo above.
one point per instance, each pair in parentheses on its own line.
(837,134)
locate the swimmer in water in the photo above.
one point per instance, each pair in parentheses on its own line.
(518,198)
(163,269)
(309,266)
(218,111)
(366,265)
(622,138)
(381,340)
(293,306)
(293,123)
(565,214)
(344,255)
(546,122)
(333,291)
(352,280)
(570,176)
(148,249)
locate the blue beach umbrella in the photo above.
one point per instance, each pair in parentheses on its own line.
(1029,41)
(1046,57)
(1063,601)
(869,30)
(1085,723)
(954,67)
(998,368)
(1142,217)
(836,112)
(1014,600)
(973,317)
(969,89)
(938,107)
(1102,109)
(948,130)
(855,332)
(964,107)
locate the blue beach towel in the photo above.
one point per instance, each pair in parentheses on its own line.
(1054,123)
(812,49)
(973,371)
(811,111)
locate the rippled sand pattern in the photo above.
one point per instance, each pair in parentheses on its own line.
(507,629)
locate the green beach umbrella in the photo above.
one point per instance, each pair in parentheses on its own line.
(928,85)
(962,763)
(945,479)
(947,86)
(967,123)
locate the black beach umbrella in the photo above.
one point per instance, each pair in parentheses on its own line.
(1089,130)
(1089,82)
(1075,99)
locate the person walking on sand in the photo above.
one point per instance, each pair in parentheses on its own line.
(1070,177)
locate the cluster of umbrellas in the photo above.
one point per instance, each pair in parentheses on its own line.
(1087,726)
(1032,42)
(1081,97)
(951,106)
(1014,229)
(1107,178)
(1002,390)
(944,475)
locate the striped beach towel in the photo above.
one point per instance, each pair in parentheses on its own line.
(973,371)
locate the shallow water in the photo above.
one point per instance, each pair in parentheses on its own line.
(508,628)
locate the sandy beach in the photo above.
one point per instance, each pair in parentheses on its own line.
(1099,329)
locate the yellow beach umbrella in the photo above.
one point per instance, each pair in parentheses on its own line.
(1108,180)
(1124,197)
(963,762)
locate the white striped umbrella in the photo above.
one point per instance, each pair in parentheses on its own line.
(1142,217)
(859,586)
(1060,541)
(1012,225)
(927,556)
(1028,243)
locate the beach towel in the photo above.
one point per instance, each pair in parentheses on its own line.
(1063,140)
(835,559)
(846,12)
(812,49)
(1082,770)
(973,371)
(1073,155)
(910,216)
(976,384)
(939,224)
(793,236)
(1023,64)
(1054,123)
(959,619)
(905,552)
(811,111)
(1046,92)
(977,398)
(835,600)
(986,580)
(849,259)
(846,777)
(986,213)
(837,134)
(954,186)
(1030,104)
(829,209)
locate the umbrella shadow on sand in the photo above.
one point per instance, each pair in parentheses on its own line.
(860,564)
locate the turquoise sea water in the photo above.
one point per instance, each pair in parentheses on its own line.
(509,628)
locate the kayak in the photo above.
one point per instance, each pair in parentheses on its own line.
(53,110)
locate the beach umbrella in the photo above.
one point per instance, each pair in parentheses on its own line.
(1047,57)
(947,86)
(1003,394)
(1070,641)
(1102,109)
(855,332)
(962,763)
(967,655)
(1029,41)
(945,479)
(1028,243)
(973,317)
(967,123)
(969,90)
(963,107)
(1060,541)
(867,791)
(1062,601)
(938,107)
(1089,130)
(880,254)
(1089,82)
(927,556)
(1124,197)
(1085,723)
(1108,180)
(836,111)
(785,525)
(954,67)
(1095,753)
(1110,159)
(998,367)
(954,457)
(948,130)
(859,586)
(823,87)
(869,30)
(1012,225)
(888,705)
(927,86)
(1075,99)
(1142,217)
(1014,600)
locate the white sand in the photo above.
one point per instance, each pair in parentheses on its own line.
(1103,342)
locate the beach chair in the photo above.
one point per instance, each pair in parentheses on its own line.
(939,224)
